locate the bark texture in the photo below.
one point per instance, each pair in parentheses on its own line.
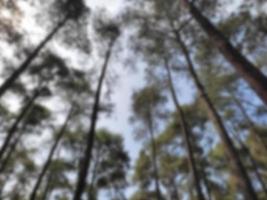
(234,160)
(22,68)
(13,129)
(50,157)
(247,70)
(86,159)
(187,134)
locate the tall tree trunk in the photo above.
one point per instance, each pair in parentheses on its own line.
(12,131)
(94,175)
(86,160)
(234,159)
(190,192)
(16,74)
(154,160)
(206,183)
(50,156)
(11,150)
(174,193)
(254,164)
(249,121)
(255,78)
(46,188)
(119,193)
(186,134)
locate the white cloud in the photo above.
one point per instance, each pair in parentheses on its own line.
(113,6)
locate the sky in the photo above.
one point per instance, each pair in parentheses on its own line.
(113,6)
(116,122)
(128,81)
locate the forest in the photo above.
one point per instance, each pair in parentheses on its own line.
(133,100)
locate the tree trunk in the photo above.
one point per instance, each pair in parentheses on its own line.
(15,125)
(206,183)
(86,160)
(16,74)
(234,160)
(256,170)
(255,78)
(174,193)
(46,188)
(250,122)
(154,161)
(12,149)
(186,134)
(9,153)
(50,156)
(94,175)
(254,164)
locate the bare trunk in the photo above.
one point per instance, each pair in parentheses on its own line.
(154,161)
(186,134)
(250,122)
(12,149)
(206,183)
(231,152)
(9,153)
(16,74)
(174,191)
(14,127)
(94,174)
(255,78)
(86,160)
(256,170)
(254,164)
(50,156)
(47,188)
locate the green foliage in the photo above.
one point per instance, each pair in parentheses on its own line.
(65,72)
(143,195)
(37,114)
(143,170)
(146,101)
(113,166)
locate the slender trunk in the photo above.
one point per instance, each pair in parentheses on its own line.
(186,134)
(256,170)
(9,153)
(249,121)
(47,188)
(12,131)
(119,193)
(15,194)
(234,160)
(255,78)
(174,194)
(94,173)
(4,180)
(50,156)
(86,160)
(189,190)
(16,74)
(254,164)
(154,161)
(206,183)
(12,149)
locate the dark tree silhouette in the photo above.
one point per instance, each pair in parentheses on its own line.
(113,32)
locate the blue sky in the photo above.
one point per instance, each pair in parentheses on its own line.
(128,80)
